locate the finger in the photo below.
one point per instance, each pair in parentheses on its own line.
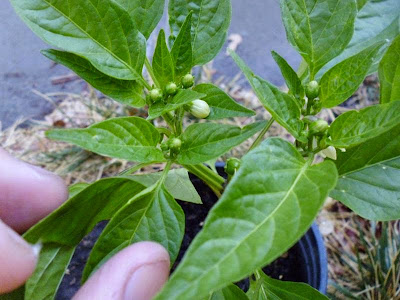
(17,259)
(137,272)
(27,193)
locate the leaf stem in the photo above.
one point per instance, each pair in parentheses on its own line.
(151,73)
(179,120)
(213,180)
(260,137)
(165,172)
(135,168)
(170,121)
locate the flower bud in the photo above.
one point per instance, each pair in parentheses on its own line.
(175,144)
(187,81)
(319,127)
(199,109)
(312,90)
(171,88)
(156,95)
(232,165)
(329,152)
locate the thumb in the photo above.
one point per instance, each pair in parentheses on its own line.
(136,273)
(17,259)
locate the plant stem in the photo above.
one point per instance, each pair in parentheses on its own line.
(135,168)
(213,180)
(262,133)
(179,120)
(151,73)
(170,121)
(165,172)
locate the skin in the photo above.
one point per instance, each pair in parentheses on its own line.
(28,194)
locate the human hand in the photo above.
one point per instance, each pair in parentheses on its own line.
(28,194)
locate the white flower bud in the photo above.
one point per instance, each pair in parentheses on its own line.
(200,109)
(329,152)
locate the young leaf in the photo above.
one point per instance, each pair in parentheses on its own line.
(183,97)
(282,107)
(356,127)
(230,292)
(146,14)
(221,105)
(182,52)
(152,215)
(389,73)
(292,80)
(340,82)
(114,46)
(376,21)
(319,30)
(177,183)
(52,264)
(124,91)
(205,141)
(264,288)
(368,177)
(130,138)
(163,66)
(210,25)
(75,218)
(269,204)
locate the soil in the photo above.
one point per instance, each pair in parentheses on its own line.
(288,267)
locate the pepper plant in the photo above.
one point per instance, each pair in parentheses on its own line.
(274,192)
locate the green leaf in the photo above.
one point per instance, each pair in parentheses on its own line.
(269,204)
(230,292)
(182,52)
(180,99)
(177,183)
(368,177)
(130,138)
(205,141)
(221,105)
(377,20)
(356,127)
(124,91)
(152,215)
(283,107)
(77,188)
(292,80)
(389,73)
(340,82)
(49,272)
(99,30)
(163,66)
(17,294)
(210,25)
(265,288)
(319,30)
(75,218)
(146,14)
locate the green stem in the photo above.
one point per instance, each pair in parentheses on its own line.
(262,133)
(135,168)
(170,121)
(179,120)
(213,180)
(151,73)
(165,172)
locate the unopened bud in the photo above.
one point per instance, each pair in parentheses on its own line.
(232,165)
(187,81)
(312,90)
(199,109)
(156,95)
(171,88)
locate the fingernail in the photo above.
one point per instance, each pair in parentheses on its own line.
(147,281)
(19,242)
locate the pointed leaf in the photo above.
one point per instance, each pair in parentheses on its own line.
(292,80)
(163,66)
(340,82)
(210,25)
(75,218)
(180,99)
(230,292)
(368,177)
(77,188)
(205,141)
(265,288)
(130,138)
(177,183)
(152,215)
(389,73)
(319,30)
(221,105)
(355,127)
(124,91)
(281,106)
(146,14)
(99,30)
(181,52)
(269,204)
(376,21)
(52,264)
